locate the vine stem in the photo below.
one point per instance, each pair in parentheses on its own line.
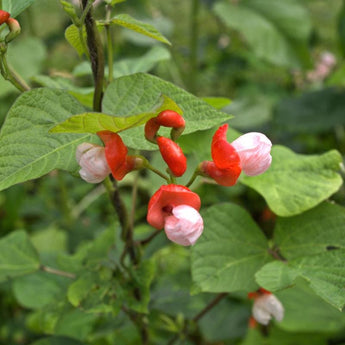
(194,176)
(201,314)
(57,272)
(96,53)
(193,44)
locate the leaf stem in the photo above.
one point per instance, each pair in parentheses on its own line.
(57,272)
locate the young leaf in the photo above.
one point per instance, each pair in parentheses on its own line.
(229,252)
(295,183)
(315,231)
(27,150)
(95,122)
(73,38)
(138,26)
(137,93)
(17,256)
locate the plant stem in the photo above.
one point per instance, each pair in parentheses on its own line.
(108,30)
(194,176)
(156,171)
(193,45)
(10,74)
(150,238)
(201,314)
(57,272)
(96,53)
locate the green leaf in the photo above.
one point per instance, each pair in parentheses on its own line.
(295,183)
(38,290)
(75,324)
(325,273)
(15,7)
(230,251)
(312,232)
(306,312)
(95,122)
(137,93)
(217,102)
(141,64)
(271,28)
(27,150)
(313,112)
(138,26)
(57,341)
(73,38)
(17,256)
(34,51)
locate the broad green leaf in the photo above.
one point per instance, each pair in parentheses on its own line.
(15,7)
(95,122)
(141,64)
(57,341)
(306,312)
(27,150)
(38,290)
(313,112)
(73,38)
(34,51)
(138,26)
(137,93)
(75,324)
(295,183)
(312,232)
(269,27)
(217,102)
(229,252)
(325,273)
(17,256)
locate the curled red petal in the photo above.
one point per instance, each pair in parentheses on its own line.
(115,154)
(165,199)
(4,16)
(151,129)
(172,155)
(223,153)
(170,118)
(225,177)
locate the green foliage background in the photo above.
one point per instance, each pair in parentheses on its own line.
(283,230)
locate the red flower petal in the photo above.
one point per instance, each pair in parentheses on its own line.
(165,199)
(223,153)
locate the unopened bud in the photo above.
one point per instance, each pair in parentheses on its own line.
(15,29)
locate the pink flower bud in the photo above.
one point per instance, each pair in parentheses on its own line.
(94,166)
(267,306)
(184,226)
(254,151)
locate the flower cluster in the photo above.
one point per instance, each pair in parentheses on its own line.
(175,208)
(266,306)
